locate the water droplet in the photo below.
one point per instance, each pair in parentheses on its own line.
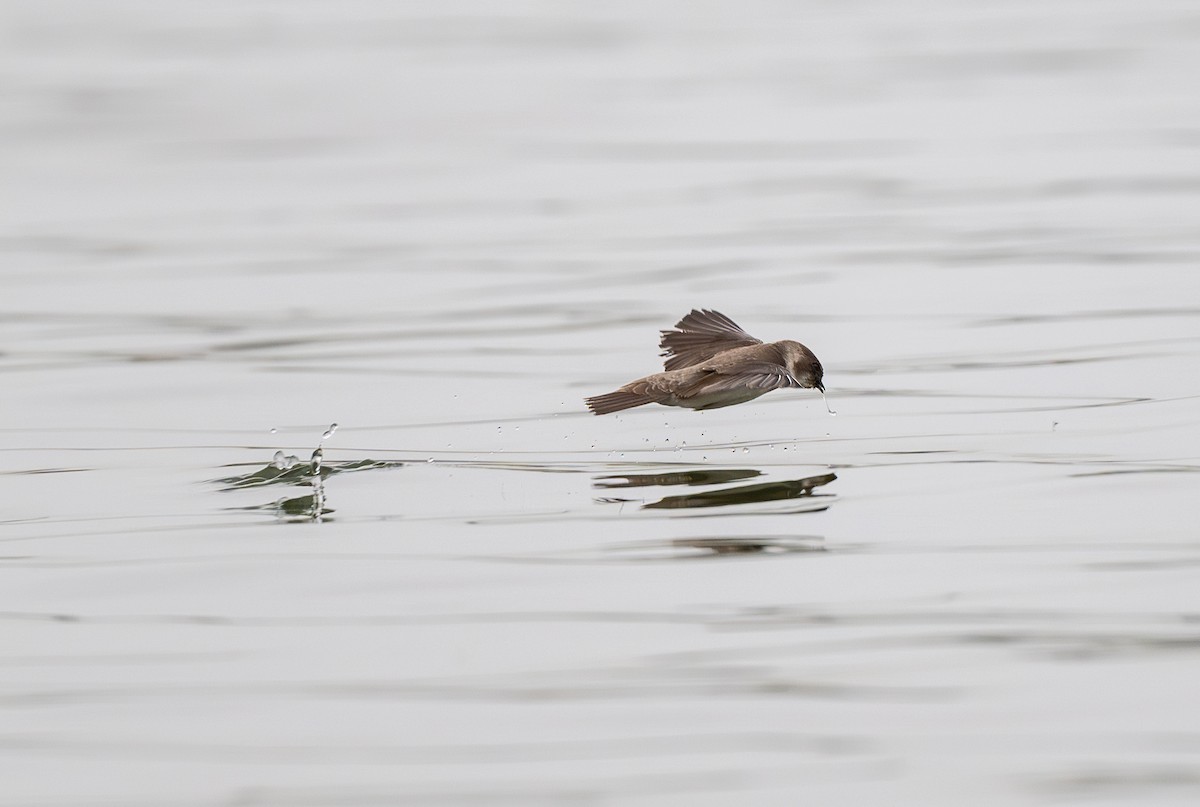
(273,430)
(827,409)
(745,451)
(329,432)
(280,460)
(315,462)
(429,460)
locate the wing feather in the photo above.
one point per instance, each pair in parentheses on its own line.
(699,336)
(763,381)
(752,375)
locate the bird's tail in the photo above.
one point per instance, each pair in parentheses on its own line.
(616,401)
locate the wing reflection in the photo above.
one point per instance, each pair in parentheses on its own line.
(708,547)
(697,477)
(745,494)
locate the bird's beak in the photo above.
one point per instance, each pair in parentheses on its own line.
(821,387)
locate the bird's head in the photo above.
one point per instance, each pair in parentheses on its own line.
(803,365)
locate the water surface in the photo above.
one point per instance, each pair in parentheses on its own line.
(441,226)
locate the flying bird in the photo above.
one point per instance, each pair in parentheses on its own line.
(711,362)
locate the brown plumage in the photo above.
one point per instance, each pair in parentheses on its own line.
(711,362)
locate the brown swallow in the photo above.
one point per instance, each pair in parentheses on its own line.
(711,362)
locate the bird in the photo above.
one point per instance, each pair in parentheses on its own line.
(710,362)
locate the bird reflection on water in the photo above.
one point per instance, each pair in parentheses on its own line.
(752,494)
(696,477)
(746,494)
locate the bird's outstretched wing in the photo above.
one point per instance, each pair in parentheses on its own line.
(699,336)
(747,375)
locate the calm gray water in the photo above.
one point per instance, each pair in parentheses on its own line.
(228,225)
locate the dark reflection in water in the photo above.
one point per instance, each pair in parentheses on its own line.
(746,545)
(1165,469)
(710,547)
(1123,780)
(288,470)
(697,477)
(634,682)
(299,473)
(745,494)
(300,508)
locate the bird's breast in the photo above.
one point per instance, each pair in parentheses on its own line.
(715,400)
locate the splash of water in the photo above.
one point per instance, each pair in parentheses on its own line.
(831,412)
(318,486)
(284,461)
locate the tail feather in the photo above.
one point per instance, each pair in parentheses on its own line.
(616,401)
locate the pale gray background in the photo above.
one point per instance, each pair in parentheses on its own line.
(441,225)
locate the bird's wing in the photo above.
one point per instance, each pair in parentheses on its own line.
(761,375)
(699,336)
